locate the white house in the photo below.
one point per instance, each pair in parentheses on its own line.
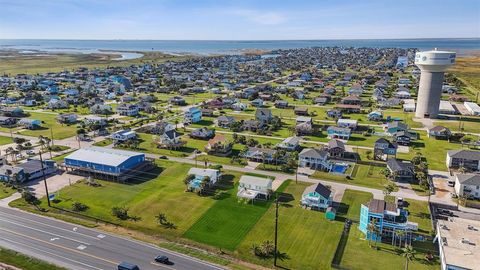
(290,143)
(347,123)
(472,108)
(468,185)
(238,106)
(252,187)
(200,174)
(123,135)
(316,159)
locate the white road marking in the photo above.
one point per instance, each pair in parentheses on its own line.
(50,253)
(74,229)
(38,230)
(81,247)
(54,238)
(48,225)
(101,236)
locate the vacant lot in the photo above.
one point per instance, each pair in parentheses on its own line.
(49,122)
(228,221)
(5,140)
(306,237)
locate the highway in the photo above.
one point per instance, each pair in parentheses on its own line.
(76,247)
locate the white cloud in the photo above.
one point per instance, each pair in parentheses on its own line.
(256,16)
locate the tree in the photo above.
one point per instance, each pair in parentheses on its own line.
(400,234)
(120,212)
(409,253)
(79,207)
(188,179)
(389,188)
(373,231)
(369,154)
(161,218)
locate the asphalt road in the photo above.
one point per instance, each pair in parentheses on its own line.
(77,247)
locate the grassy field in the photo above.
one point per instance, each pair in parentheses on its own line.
(5,191)
(5,140)
(351,201)
(24,262)
(159,191)
(306,237)
(58,62)
(49,122)
(228,221)
(467,70)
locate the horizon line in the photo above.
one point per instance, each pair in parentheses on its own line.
(122,39)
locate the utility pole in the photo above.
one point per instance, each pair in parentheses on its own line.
(51,135)
(44,178)
(276,231)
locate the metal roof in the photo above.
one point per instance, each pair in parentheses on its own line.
(100,155)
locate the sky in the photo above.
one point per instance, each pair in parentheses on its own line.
(238,20)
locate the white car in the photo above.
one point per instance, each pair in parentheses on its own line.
(30,152)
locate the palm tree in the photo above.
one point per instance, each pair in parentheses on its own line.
(400,234)
(371,230)
(409,253)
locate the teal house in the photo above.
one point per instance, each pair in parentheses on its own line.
(317,196)
(388,219)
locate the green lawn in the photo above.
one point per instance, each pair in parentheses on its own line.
(359,255)
(467,124)
(307,237)
(24,262)
(49,122)
(5,191)
(104,142)
(228,221)
(152,193)
(351,201)
(5,140)
(362,175)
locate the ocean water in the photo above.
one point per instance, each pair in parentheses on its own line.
(461,46)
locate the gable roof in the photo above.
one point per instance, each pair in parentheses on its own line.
(399,165)
(318,188)
(336,143)
(469,179)
(464,154)
(313,153)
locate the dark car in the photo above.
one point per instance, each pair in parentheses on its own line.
(127,266)
(162,259)
(445,212)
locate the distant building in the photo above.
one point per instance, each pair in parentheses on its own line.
(383,149)
(439,132)
(30,123)
(193,115)
(338,133)
(127,109)
(316,159)
(472,108)
(67,118)
(123,135)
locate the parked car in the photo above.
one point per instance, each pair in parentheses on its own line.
(30,152)
(445,212)
(162,259)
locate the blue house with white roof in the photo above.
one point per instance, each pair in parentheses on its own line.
(119,164)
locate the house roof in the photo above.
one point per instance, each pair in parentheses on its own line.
(469,179)
(313,153)
(256,181)
(318,188)
(439,129)
(336,144)
(203,172)
(464,154)
(31,166)
(171,134)
(101,155)
(379,206)
(218,138)
(399,165)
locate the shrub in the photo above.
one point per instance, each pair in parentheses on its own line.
(120,212)
(79,207)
